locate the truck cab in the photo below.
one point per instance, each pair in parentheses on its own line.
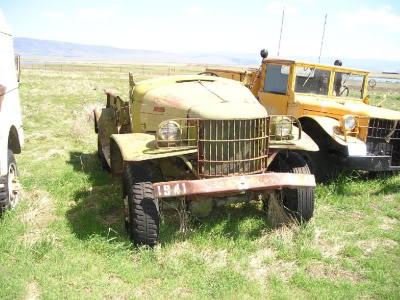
(11,131)
(332,105)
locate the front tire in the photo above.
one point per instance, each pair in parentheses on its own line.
(9,186)
(143,219)
(298,202)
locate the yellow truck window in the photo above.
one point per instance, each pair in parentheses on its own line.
(312,81)
(348,85)
(276,79)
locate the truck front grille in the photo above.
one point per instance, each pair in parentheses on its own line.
(383,139)
(232,147)
(380,128)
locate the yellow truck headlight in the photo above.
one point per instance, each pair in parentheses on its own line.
(348,122)
(283,128)
(169,131)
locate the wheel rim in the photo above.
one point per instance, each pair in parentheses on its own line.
(13,186)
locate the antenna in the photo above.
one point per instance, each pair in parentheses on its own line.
(280,36)
(322,40)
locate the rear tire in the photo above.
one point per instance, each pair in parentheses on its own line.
(9,196)
(299,203)
(143,219)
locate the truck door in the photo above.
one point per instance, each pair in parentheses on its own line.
(273,94)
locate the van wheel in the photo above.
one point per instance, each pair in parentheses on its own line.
(299,203)
(9,185)
(142,212)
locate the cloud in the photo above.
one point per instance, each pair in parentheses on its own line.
(93,13)
(379,17)
(276,8)
(53,14)
(195,9)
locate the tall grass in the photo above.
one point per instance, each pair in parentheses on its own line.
(67,238)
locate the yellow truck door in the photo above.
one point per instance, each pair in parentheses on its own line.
(273,93)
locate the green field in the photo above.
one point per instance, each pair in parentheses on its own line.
(66,239)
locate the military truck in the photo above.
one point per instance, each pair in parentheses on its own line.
(332,105)
(11,131)
(205,140)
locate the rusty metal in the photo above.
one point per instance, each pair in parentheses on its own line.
(229,147)
(188,135)
(266,181)
(294,124)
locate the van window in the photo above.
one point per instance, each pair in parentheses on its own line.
(276,79)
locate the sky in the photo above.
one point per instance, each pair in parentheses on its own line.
(367,29)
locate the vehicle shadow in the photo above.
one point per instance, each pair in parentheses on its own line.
(98,211)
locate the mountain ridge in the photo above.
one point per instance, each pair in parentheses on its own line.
(50,49)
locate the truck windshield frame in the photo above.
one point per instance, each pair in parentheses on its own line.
(337,82)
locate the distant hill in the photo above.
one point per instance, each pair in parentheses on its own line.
(33,48)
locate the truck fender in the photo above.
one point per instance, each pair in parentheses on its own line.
(317,125)
(305,143)
(135,147)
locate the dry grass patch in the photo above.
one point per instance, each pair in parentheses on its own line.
(370,246)
(282,269)
(320,270)
(330,247)
(276,212)
(388,223)
(33,291)
(40,211)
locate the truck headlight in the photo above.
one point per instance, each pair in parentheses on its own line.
(283,128)
(348,122)
(169,131)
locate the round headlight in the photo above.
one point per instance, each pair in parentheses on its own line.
(349,122)
(283,128)
(169,131)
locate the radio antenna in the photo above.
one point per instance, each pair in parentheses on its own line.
(322,40)
(280,36)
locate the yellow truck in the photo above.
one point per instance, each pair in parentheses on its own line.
(332,105)
(202,140)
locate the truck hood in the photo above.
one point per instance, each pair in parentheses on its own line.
(196,97)
(228,111)
(317,105)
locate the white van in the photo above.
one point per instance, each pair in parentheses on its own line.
(11,131)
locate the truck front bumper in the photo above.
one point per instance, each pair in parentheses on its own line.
(232,184)
(368,163)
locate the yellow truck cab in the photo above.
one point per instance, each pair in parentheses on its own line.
(332,105)
(11,131)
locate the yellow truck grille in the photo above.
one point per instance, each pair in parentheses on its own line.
(386,129)
(383,139)
(232,147)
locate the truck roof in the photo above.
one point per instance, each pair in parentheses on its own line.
(4,28)
(289,62)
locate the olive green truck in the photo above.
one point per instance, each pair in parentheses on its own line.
(204,140)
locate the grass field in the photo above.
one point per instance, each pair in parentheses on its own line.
(66,240)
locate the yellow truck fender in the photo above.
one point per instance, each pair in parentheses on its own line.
(135,147)
(332,128)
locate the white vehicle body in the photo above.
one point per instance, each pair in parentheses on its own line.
(11,131)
